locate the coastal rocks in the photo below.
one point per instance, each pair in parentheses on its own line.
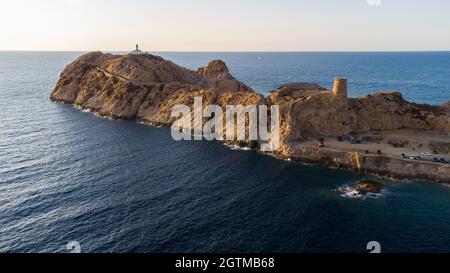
(158,96)
(143,87)
(362,189)
(160,113)
(319,114)
(110,96)
(157,106)
(292,91)
(215,69)
(367,186)
(69,83)
(372,164)
(216,75)
(147,87)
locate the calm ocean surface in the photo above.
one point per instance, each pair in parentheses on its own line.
(115,186)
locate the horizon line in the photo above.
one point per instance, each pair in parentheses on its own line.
(237,51)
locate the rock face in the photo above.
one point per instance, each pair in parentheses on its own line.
(313,113)
(146,87)
(362,188)
(143,86)
(217,75)
(367,186)
(373,164)
(294,91)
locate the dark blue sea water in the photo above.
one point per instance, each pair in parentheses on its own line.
(115,186)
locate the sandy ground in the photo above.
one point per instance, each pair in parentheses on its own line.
(417,142)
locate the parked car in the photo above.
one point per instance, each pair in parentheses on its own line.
(403,156)
(427,154)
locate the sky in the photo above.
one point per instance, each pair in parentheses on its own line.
(225,25)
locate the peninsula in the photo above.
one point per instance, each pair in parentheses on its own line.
(380,134)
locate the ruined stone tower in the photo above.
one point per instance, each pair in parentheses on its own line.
(340,87)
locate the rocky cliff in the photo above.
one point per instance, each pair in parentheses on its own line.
(310,111)
(146,87)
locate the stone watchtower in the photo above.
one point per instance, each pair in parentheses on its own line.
(340,87)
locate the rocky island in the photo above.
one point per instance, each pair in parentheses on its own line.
(380,134)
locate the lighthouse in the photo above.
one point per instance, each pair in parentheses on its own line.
(137,51)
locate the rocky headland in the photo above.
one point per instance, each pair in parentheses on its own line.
(374,134)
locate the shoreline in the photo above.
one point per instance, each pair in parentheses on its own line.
(145,88)
(333,159)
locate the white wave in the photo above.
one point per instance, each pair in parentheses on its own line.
(352,192)
(349,192)
(105,117)
(236,148)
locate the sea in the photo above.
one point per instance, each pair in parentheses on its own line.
(70,178)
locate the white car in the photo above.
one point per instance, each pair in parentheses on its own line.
(427,154)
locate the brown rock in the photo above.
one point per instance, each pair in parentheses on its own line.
(322,114)
(216,75)
(215,69)
(294,90)
(367,186)
(147,87)
(133,86)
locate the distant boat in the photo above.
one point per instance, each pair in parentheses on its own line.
(259,58)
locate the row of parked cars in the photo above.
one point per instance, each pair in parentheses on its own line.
(426,156)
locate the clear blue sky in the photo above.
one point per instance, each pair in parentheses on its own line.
(231,25)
